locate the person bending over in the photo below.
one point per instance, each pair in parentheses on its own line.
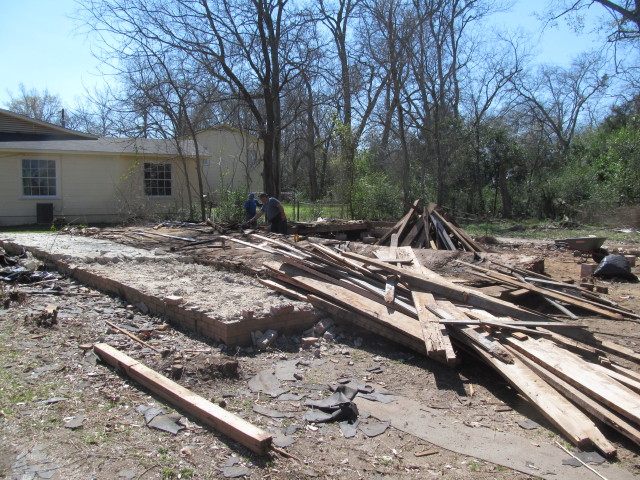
(273,209)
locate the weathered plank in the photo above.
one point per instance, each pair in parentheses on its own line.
(340,295)
(349,316)
(445,309)
(543,291)
(553,406)
(438,285)
(400,226)
(436,337)
(579,373)
(209,414)
(589,405)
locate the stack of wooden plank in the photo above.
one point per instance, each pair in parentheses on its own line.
(560,295)
(571,382)
(428,228)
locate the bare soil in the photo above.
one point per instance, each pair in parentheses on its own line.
(50,376)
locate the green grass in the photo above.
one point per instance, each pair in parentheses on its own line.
(308,212)
(547,230)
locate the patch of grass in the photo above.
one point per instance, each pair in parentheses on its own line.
(169,473)
(547,230)
(474,467)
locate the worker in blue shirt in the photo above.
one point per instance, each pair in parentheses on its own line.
(274,210)
(250,207)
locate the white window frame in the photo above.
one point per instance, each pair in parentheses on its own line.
(55,177)
(168,167)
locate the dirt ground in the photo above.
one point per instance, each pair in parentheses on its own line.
(65,415)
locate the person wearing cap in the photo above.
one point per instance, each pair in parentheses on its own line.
(250,207)
(274,210)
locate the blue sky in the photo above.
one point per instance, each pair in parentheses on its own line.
(41,48)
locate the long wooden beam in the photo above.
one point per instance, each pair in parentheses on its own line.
(589,405)
(579,373)
(252,437)
(556,408)
(438,285)
(545,291)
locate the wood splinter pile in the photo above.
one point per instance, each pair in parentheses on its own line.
(570,382)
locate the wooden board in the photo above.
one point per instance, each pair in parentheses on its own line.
(438,285)
(589,405)
(445,309)
(436,336)
(252,437)
(553,406)
(350,300)
(546,292)
(348,316)
(579,373)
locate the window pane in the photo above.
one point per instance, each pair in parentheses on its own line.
(157,179)
(38,177)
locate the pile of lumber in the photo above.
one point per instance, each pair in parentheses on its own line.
(560,295)
(428,228)
(570,382)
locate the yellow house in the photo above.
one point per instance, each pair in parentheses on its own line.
(51,173)
(235,159)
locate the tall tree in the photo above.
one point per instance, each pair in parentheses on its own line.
(556,98)
(360,83)
(246,46)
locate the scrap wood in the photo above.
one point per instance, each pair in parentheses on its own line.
(146,233)
(552,405)
(132,336)
(488,343)
(628,382)
(401,225)
(481,316)
(584,294)
(605,362)
(208,413)
(283,289)
(377,312)
(349,316)
(413,233)
(357,286)
(280,243)
(581,375)
(199,242)
(264,249)
(580,399)
(436,337)
(592,342)
(438,285)
(582,303)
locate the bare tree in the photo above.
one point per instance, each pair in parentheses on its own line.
(360,83)
(557,97)
(37,105)
(624,16)
(246,46)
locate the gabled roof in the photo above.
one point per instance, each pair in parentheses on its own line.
(14,126)
(105,145)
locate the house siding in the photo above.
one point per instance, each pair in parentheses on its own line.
(229,159)
(91,189)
